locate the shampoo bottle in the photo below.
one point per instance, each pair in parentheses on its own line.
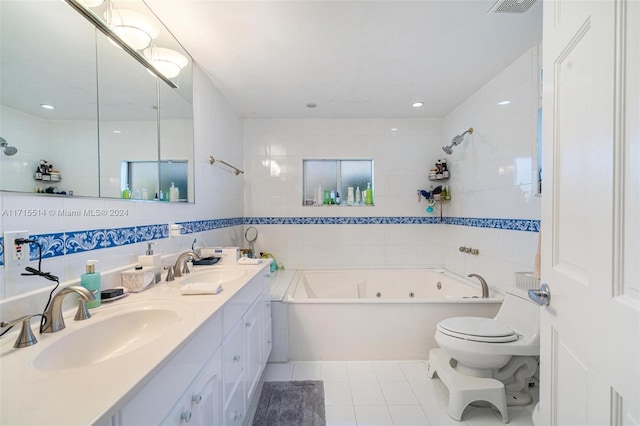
(126,192)
(91,281)
(369,198)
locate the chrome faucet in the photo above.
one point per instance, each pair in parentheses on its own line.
(181,265)
(483,283)
(53,315)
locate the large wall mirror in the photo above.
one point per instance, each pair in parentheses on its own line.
(114,125)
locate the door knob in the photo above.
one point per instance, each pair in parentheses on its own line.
(542,297)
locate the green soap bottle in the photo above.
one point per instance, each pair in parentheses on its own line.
(91,281)
(369,197)
(126,192)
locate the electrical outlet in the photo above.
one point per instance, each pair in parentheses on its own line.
(16,254)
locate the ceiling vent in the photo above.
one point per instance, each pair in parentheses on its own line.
(511,6)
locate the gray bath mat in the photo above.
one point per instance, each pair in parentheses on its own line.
(291,404)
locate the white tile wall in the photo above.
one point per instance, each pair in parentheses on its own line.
(218,131)
(484,170)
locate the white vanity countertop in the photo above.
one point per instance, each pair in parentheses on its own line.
(84,395)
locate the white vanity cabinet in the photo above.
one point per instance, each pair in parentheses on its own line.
(213,378)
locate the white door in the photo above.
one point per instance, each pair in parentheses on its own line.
(590,333)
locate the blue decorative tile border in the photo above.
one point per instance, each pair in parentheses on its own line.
(63,243)
(530,225)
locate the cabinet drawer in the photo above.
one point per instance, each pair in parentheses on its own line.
(232,361)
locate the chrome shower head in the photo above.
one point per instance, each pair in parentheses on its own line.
(6,149)
(457,140)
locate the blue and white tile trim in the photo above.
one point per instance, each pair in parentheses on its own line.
(530,225)
(64,243)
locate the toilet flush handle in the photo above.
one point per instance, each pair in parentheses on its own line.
(542,297)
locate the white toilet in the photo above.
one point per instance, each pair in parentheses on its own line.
(482,359)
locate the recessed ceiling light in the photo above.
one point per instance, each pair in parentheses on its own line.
(311,105)
(417,104)
(504,102)
(47,106)
(117,131)
(394,129)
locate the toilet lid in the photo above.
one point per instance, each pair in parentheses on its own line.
(477,329)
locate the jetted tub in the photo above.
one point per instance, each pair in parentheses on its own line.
(377,314)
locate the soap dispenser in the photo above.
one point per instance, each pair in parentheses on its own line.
(91,281)
(174,193)
(152,260)
(369,197)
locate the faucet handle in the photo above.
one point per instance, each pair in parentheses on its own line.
(26,337)
(82,313)
(186,270)
(170,274)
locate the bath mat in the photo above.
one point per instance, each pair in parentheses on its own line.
(291,404)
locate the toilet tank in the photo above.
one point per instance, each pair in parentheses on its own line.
(520,313)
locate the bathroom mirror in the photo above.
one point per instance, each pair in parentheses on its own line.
(107,104)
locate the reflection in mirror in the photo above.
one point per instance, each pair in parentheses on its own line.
(48,58)
(176,142)
(128,111)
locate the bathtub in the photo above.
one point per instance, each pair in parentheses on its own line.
(381,314)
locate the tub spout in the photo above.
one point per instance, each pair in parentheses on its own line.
(483,283)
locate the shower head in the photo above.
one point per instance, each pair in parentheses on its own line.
(457,140)
(6,149)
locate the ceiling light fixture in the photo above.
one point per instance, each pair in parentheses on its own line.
(504,102)
(47,106)
(417,104)
(132,27)
(167,61)
(311,105)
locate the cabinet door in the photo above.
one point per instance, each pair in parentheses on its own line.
(267,341)
(206,397)
(232,362)
(253,347)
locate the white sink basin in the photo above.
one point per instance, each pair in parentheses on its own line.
(107,335)
(216,276)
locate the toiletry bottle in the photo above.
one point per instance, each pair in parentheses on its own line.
(337,198)
(126,193)
(91,281)
(358,195)
(173,193)
(350,197)
(319,195)
(369,198)
(332,197)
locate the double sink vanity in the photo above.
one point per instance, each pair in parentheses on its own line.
(156,357)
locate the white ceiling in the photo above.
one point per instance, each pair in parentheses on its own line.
(352,58)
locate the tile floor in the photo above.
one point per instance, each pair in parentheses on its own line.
(376,393)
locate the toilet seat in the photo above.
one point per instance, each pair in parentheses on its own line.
(477,329)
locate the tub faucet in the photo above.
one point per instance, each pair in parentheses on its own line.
(53,315)
(181,264)
(483,283)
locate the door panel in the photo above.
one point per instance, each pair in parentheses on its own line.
(590,368)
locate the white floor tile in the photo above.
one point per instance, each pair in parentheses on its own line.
(361,372)
(429,392)
(278,372)
(334,371)
(306,371)
(414,371)
(437,415)
(340,415)
(388,371)
(398,393)
(337,393)
(366,393)
(373,415)
(407,415)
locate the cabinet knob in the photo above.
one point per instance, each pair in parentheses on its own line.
(236,358)
(185,417)
(196,399)
(248,324)
(237,415)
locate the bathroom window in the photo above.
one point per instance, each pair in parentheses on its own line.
(336,176)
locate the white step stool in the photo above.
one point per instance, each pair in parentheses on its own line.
(464,389)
